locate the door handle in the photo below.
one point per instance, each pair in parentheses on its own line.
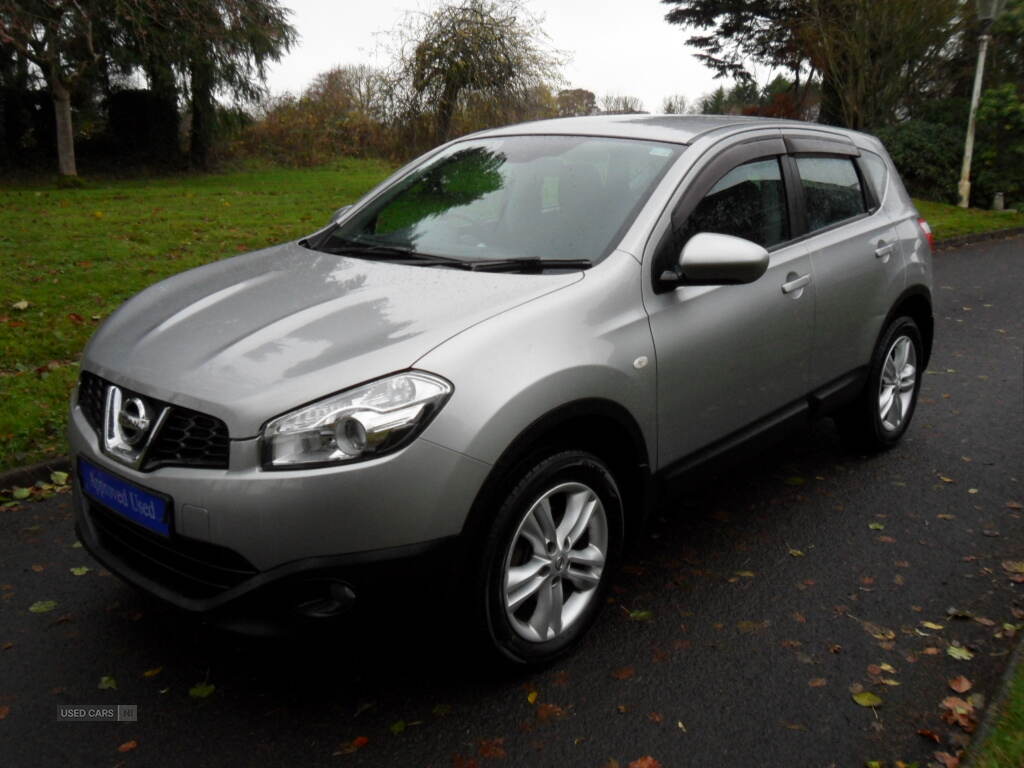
(884,251)
(797,284)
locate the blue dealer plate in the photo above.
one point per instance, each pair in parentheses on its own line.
(148,509)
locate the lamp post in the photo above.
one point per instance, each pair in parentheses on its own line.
(988,10)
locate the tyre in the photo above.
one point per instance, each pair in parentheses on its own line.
(546,561)
(882,412)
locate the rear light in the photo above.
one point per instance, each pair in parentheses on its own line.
(928,235)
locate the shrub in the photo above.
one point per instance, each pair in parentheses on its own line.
(928,157)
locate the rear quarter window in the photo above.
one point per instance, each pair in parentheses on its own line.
(832,190)
(877,171)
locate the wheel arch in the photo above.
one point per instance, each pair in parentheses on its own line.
(915,302)
(598,426)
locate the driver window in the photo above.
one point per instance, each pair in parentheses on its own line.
(748,202)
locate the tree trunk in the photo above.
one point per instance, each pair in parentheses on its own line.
(830,112)
(65,132)
(445,111)
(201,85)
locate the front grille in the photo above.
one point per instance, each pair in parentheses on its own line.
(189,567)
(186,439)
(192,439)
(91,396)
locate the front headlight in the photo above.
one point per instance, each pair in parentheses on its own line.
(362,423)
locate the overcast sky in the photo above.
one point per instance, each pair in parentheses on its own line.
(623,47)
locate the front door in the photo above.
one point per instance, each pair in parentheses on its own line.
(730,355)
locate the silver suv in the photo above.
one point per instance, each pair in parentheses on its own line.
(477,377)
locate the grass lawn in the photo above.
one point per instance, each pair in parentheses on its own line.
(70,257)
(75,255)
(1004,744)
(949,221)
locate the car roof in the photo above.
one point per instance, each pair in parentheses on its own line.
(679,129)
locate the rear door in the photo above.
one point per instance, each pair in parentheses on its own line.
(854,251)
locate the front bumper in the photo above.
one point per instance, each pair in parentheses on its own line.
(244,534)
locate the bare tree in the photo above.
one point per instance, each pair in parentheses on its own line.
(481,48)
(676,104)
(616,104)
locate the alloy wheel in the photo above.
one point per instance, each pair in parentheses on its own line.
(555,562)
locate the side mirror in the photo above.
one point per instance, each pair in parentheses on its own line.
(339,213)
(710,258)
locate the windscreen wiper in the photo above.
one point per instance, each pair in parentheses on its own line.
(392,253)
(532,264)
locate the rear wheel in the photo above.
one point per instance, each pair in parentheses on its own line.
(546,561)
(882,413)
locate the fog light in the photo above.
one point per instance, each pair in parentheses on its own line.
(331,598)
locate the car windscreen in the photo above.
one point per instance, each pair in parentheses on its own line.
(517,197)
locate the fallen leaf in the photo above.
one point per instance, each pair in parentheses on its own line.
(107,683)
(947,760)
(655,717)
(889,681)
(641,615)
(746,627)
(4,712)
(42,606)
(958,712)
(818,682)
(929,735)
(59,478)
(532,697)
(886,539)
(21,306)
(932,625)
(879,632)
(945,479)
(931,651)
(1013,566)
(794,481)
(552,711)
(153,672)
(201,690)
(959,652)
(1014,505)
(796,553)
(624,673)
(960,684)
(128,746)
(80,570)
(645,762)
(876,526)
(867,699)
(38,568)
(397,727)
(349,747)
(746,574)
(20,494)
(493,748)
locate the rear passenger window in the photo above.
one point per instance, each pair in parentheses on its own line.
(748,202)
(832,190)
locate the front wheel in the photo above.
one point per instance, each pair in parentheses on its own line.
(882,413)
(547,559)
